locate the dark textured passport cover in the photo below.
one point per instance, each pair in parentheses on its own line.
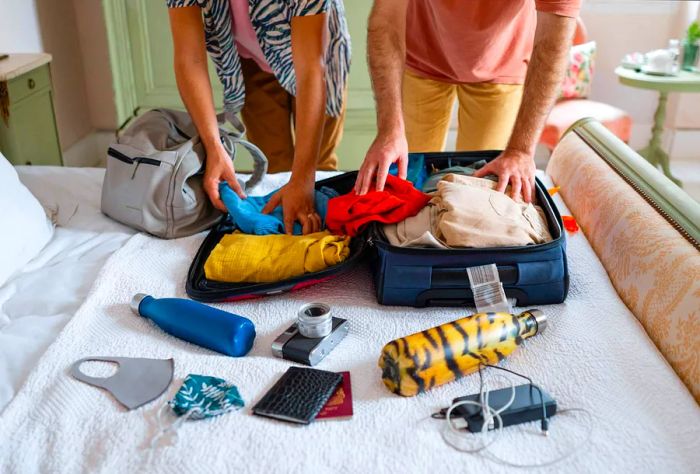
(339,406)
(298,395)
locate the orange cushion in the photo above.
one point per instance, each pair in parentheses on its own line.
(566,112)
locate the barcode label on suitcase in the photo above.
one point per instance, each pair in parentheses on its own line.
(483,274)
(487,289)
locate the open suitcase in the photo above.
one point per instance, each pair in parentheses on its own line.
(534,274)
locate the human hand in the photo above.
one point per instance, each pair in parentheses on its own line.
(297,201)
(385,150)
(219,167)
(515,168)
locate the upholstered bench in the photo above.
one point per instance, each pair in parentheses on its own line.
(647,237)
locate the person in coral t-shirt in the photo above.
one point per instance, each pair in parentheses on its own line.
(503,60)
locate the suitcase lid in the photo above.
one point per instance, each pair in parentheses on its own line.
(199,288)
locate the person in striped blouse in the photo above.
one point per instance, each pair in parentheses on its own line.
(283,65)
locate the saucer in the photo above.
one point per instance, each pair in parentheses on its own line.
(653,72)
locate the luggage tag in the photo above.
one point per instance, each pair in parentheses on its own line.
(487,289)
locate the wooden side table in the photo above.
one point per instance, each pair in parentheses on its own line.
(28,133)
(683,82)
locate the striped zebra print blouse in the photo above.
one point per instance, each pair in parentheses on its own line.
(272,23)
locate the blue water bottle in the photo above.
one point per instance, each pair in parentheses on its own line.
(197,323)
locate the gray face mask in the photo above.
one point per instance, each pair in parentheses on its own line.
(137,381)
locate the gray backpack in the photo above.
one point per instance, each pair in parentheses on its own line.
(154,174)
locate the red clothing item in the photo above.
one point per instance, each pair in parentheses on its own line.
(349,214)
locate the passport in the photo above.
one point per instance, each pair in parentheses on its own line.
(339,406)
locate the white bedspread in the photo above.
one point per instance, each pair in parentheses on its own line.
(36,303)
(594,354)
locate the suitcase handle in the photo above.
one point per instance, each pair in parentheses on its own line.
(456,277)
(445,297)
(462,297)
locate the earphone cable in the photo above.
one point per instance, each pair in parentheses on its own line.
(491,416)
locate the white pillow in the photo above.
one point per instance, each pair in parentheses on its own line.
(24,227)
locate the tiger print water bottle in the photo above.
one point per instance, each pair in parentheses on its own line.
(416,363)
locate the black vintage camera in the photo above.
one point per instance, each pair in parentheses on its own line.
(312,337)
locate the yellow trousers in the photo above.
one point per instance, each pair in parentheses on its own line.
(486,116)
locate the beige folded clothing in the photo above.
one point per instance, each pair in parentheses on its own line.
(471,213)
(416,231)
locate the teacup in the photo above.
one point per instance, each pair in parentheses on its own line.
(660,61)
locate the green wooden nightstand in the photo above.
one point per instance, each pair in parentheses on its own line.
(28,134)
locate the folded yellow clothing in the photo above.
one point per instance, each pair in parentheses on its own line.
(239,258)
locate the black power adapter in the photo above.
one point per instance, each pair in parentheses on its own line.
(527,406)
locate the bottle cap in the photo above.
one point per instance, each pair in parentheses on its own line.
(136,302)
(540,319)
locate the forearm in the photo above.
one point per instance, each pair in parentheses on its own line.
(544,76)
(195,90)
(309,43)
(193,83)
(386,55)
(309,121)
(191,75)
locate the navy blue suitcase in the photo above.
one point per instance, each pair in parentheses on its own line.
(535,274)
(532,275)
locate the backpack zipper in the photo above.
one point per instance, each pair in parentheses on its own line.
(119,155)
(126,159)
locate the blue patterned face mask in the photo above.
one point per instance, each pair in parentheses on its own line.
(199,397)
(202,396)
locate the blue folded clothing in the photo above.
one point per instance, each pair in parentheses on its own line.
(247,214)
(430,184)
(415,171)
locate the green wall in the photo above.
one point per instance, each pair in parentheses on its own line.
(141,56)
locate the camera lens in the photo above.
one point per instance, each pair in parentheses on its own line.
(315,311)
(314,320)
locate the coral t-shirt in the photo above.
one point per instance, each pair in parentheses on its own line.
(466,41)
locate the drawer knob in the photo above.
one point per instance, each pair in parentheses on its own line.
(31,83)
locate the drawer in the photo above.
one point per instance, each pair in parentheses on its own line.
(31,138)
(28,83)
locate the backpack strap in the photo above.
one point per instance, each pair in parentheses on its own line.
(235,137)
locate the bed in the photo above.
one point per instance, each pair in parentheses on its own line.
(595,354)
(36,304)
